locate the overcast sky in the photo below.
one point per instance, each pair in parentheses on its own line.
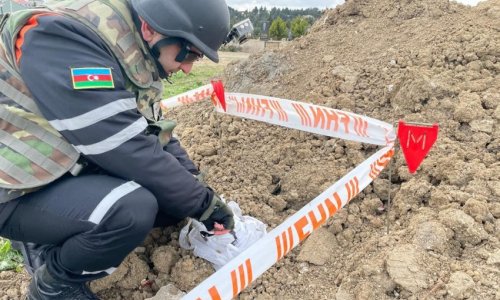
(249,4)
(321,4)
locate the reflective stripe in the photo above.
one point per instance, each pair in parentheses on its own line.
(116,140)
(107,202)
(18,97)
(39,132)
(17,173)
(95,115)
(109,271)
(31,153)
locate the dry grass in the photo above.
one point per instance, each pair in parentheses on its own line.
(225,59)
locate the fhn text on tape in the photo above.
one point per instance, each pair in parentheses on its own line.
(241,271)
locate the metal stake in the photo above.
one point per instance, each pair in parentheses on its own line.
(389,196)
(391,165)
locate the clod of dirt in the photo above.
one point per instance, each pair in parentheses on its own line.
(318,249)
(126,280)
(164,258)
(478,210)
(407,266)
(469,108)
(432,236)
(411,195)
(13,285)
(168,292)
(187,273)
(494,258)
(466,230)
(460,286)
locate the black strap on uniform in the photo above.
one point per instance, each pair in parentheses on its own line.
(155,50)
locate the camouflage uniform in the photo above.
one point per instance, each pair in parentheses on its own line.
(95,219)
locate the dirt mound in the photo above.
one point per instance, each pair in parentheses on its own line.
(423,61)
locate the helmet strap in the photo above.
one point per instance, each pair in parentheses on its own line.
(155,51)
(161,71)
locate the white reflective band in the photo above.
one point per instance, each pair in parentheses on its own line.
(109,271)
(95,115)
(107,202)
(116,140)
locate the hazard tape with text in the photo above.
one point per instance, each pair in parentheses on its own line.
(189,97)
(239,273)
(296,115)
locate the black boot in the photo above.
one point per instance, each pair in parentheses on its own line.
(44,287)
(33,254)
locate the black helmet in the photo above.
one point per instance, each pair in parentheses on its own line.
(203,23)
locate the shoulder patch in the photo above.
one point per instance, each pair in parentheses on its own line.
(92,78)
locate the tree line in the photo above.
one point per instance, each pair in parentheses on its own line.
(277,23)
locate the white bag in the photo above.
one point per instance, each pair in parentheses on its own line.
(220,249)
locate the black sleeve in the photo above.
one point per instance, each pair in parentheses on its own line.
(103,123)
(174,147)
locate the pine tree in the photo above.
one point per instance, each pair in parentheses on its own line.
(299,27)
(278,29)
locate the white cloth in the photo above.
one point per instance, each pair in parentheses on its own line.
(220,249)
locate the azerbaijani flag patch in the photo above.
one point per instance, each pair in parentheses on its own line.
(92,78)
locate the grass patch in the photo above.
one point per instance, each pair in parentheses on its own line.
(10,259)
(201,74)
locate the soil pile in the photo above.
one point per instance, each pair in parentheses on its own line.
(422,61)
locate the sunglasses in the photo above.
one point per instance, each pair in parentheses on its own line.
(186,55)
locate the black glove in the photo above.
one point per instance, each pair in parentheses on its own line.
(218,212)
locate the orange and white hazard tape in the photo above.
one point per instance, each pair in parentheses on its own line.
(236,275)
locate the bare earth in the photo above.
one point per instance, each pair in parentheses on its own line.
(423,61)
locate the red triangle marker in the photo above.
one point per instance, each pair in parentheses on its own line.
(416,140)
(219,92)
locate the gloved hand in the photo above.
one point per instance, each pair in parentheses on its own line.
(218,213)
